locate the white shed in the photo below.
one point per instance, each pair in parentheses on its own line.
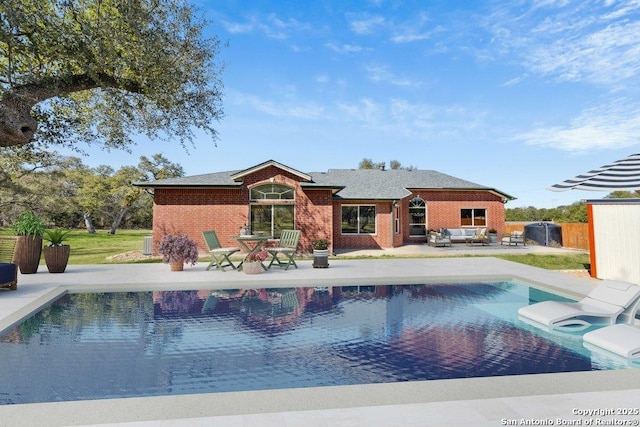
(614,239)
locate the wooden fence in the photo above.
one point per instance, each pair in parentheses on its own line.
(574,235)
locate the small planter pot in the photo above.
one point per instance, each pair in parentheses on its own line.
(320,258)
(252,268)
(57,258)
(177,265)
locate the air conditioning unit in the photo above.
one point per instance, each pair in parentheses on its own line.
(147,249)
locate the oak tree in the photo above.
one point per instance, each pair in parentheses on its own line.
(100,71)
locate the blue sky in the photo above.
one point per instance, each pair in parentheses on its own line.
(516,95)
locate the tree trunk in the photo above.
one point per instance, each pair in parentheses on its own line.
(88,222)
(118,219)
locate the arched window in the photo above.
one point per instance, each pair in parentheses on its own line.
(267,215)
(417,217)
(271,192)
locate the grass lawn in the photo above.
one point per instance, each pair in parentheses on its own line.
(96,248)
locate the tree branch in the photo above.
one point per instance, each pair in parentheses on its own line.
(17,127)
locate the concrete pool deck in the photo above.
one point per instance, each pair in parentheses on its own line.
(474,401)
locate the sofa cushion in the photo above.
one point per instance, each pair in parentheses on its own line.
(7,272)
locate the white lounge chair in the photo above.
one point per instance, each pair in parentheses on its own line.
(609,301)
(621,339)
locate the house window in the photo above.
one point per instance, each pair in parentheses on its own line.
(271,192)
(473,217)
(271,219)
(358,219)
(417,217)
(272,210)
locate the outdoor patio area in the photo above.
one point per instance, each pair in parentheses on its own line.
(476,401)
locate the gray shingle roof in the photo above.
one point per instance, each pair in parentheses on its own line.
(372,184)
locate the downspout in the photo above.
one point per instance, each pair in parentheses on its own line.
(394,206)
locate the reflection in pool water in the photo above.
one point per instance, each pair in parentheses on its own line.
(96,346)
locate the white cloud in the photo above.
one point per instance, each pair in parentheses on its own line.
(515,81)
(345,48)
(270,25)
(366,25)
(417,120)
(571,41)
(283,108)
(380,74)
(612,126)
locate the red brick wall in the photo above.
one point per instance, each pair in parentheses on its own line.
(383,238)
(443,211)
(227,210)
(443,208)
(317,215)
(194,210)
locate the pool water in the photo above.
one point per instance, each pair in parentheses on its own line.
(114,345)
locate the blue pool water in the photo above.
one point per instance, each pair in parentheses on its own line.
(112,345)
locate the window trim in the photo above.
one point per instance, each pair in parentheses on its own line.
(410,215)
(263,199)
(358,233)
(473,217)
(272,207)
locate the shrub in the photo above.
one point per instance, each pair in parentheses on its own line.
(174,248)
(320,244)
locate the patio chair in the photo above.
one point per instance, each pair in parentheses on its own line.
(608,301)
(438,239)
(514,238)
(8,269)
(288,245)
(621,339)
(219,255)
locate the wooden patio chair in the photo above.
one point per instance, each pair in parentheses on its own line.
(8,269)
(219,255)
(288,245)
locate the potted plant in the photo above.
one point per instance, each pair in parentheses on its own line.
(320,253)
(493,235)
(29,229)
(252,263)
(56,253)
(178,249)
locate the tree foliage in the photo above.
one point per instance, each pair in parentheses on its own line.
(100,70)
(576,212)
(67,193)
(367,163)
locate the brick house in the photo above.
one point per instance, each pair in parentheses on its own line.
(352,208)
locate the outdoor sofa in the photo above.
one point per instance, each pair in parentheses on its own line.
(460,235)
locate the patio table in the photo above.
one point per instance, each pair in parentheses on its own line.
(484,241)
(251,243)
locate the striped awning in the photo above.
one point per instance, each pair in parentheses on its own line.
(621,175)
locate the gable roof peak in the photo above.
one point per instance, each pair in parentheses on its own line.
(241,174)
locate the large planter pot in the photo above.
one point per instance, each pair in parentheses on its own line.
(177,265)
(252,267)
(57,258)
(493,237)
(28,253)
(320,258)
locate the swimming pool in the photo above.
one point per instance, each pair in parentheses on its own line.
(109,345)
